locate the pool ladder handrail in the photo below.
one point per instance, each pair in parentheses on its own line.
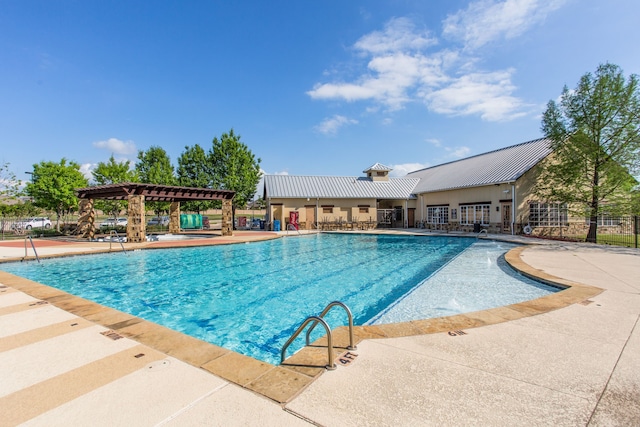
(119,240)
(484,230)
(292,227)
(330,365)
(320,319)
(33,246)
(329,306)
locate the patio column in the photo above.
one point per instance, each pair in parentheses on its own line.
(86,219)
(174,217)
(136,226)
(227,221)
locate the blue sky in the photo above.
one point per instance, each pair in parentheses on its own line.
(313,88)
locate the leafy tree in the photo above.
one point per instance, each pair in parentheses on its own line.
(234,167)
(154,167)
(53,186)
(595,134)
(9,184)
(113,172)
(194,170)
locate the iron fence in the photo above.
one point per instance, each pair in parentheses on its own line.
(621,231)
(617,231)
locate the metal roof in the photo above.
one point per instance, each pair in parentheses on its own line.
(503,165)
(337,187)
(377,167)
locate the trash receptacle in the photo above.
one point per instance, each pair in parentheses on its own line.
(476,228)
(276,225)
(261,224)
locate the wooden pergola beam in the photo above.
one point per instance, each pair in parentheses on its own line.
(152,192)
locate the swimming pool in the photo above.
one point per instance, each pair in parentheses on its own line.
(250,297)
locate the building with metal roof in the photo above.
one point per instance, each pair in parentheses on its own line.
(490,190)
(505,165)
(340,201)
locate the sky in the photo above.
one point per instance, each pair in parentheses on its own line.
(313,88)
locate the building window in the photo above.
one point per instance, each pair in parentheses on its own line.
(547,214)
(475,214)
(607,220)
(327,210)
(363,210)
(437,214)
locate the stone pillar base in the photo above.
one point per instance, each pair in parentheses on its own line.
(136,225)
(227,220)
(174,218)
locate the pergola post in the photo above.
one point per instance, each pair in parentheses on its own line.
(227,221)
(86,219)
(174,217)
(136,227)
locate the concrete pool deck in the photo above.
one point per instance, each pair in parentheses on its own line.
(565,362)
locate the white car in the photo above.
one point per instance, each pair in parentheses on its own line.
(159,220)
(34,222)
(113,223)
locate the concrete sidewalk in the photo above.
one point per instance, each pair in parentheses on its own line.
(575,366)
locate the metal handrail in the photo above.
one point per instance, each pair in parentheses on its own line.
(349,316)
(484,230)
(119,241)
(32,246)
(330,365)
(292,227)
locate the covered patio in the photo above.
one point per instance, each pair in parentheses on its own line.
(137,194)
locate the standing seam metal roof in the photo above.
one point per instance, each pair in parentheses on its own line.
(503,165)
(337,187)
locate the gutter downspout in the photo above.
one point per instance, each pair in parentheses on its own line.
(513,209)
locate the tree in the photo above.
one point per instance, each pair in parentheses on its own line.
(234,167)
(595,136)
(113,172)
(154,167)
(9,184)
(194,170)
(53,186)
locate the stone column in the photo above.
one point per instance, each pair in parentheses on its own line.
(227,220)
(136,225)
(86,219)
(174,218)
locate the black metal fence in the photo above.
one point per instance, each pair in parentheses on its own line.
(617,231)
(622,231)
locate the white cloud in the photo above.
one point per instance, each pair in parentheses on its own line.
(399,35)
(331,125)
(404,65)
(434,141)
(485,21)
(116,146)
(405,168)
(486,94)
(86,169)
(458,152)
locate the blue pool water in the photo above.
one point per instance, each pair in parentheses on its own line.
(251,297)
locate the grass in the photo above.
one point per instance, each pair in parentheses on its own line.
(628,240)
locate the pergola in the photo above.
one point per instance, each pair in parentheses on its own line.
(137,194)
